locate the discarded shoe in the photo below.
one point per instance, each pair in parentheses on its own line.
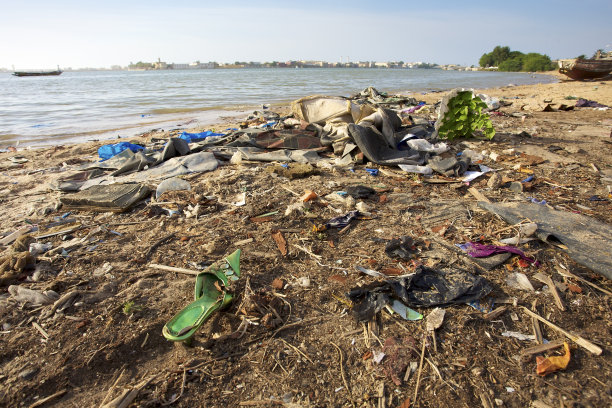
(211,294)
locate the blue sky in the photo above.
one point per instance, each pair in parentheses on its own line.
(43,34)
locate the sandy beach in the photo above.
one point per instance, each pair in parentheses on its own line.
(288,338)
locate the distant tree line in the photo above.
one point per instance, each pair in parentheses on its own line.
(514,61)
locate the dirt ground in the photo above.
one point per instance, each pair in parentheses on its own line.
(289,339)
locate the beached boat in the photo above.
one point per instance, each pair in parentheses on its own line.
(581,69)
(37,73)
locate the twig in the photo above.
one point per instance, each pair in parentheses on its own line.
(41,330)
(289,190)
(478,195)
(287,326)
(173,400)
(298,350)
(309,252)
(125,399)
(112,388)
(547,280)
(416,388)
(49,398)
(342,373)
(173,269)
(537,330)
(156,244)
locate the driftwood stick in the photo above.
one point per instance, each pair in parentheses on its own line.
(49,398)
(173,269)
(577,339)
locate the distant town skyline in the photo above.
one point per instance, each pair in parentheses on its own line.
(70,33)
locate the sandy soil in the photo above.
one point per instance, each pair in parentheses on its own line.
(302,347)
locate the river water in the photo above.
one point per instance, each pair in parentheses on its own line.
(80,106)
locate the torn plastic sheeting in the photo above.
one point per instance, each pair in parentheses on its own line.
(386,122)
(343,220)
(192,163)
(423,145)
(473,175)
(586,240)
(172,184)
(359,191)
(402,247)
(410,168)
(427,287)
(476,250)
(373,145)
(320,109)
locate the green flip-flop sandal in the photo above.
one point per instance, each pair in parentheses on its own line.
(211,294)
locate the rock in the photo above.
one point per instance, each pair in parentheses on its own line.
(304,281)
(278,283)
(516,186)
(495,181)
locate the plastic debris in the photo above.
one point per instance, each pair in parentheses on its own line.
(427,287)
(343,220)
(547,365)
(404,311)
(107,151)
(519,280)
(172,184)
(519,336)
(478,250)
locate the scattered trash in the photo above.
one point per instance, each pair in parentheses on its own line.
(360,191)
(427,287)
(239,200)
(585,239)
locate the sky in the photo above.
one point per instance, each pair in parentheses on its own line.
(37,34)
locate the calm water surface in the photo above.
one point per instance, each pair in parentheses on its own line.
(79,106)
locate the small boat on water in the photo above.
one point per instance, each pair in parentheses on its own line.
(37,73)
(581,69)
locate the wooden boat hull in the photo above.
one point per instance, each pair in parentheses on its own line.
(586,69)
(29,74)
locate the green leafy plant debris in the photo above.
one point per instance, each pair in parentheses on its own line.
(464,118)
(130,308)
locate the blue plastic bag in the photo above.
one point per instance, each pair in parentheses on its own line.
(107,151)
(188,137)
